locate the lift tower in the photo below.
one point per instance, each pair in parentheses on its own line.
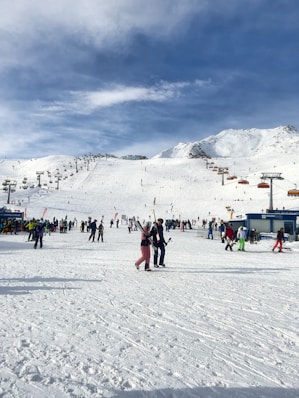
(271,177)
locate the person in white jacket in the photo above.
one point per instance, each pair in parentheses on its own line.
(241,235)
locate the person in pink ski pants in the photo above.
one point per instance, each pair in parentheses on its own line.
(145,248)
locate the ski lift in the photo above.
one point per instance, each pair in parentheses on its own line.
(222,170)
(293,192)
(263,185)
(243,182)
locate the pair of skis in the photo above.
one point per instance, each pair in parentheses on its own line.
(140,228)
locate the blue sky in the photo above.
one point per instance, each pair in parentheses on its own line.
(136,77)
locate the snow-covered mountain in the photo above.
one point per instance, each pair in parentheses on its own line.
(183,182)
(239,143)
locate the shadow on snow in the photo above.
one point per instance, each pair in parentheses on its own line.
(26,289)
(212,392)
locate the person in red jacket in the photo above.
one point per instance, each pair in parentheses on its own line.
(279,240)
(229,236)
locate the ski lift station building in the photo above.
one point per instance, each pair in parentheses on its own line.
(9,213)
(271,222)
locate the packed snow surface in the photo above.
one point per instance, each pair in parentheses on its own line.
(78,320)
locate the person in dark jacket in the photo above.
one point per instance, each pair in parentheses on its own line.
(39,233)
(279,240)
(101,232)
(222,231)
(93,229)
(159,242)
(210,231)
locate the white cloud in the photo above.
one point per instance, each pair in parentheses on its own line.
(124,94)
(87,102)
(25,24)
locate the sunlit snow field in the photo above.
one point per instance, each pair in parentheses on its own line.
(77,318)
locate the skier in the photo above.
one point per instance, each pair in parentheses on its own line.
(229,235)
(279,239)
(39,233)
(145,248)
(210,231)
(31,229)
(241,235)
(93,228)
(222,231)
(159,242)
(101,232)
(130,226)
(252,236)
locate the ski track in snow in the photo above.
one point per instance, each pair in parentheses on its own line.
(78,320)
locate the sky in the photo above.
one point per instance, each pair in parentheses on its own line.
(137,77)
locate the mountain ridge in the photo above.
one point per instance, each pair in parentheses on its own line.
(176,186)
(237,143)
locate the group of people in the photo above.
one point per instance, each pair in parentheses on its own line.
(37,229)
(9,226)
(155,236)
(229,236)
(93,228)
